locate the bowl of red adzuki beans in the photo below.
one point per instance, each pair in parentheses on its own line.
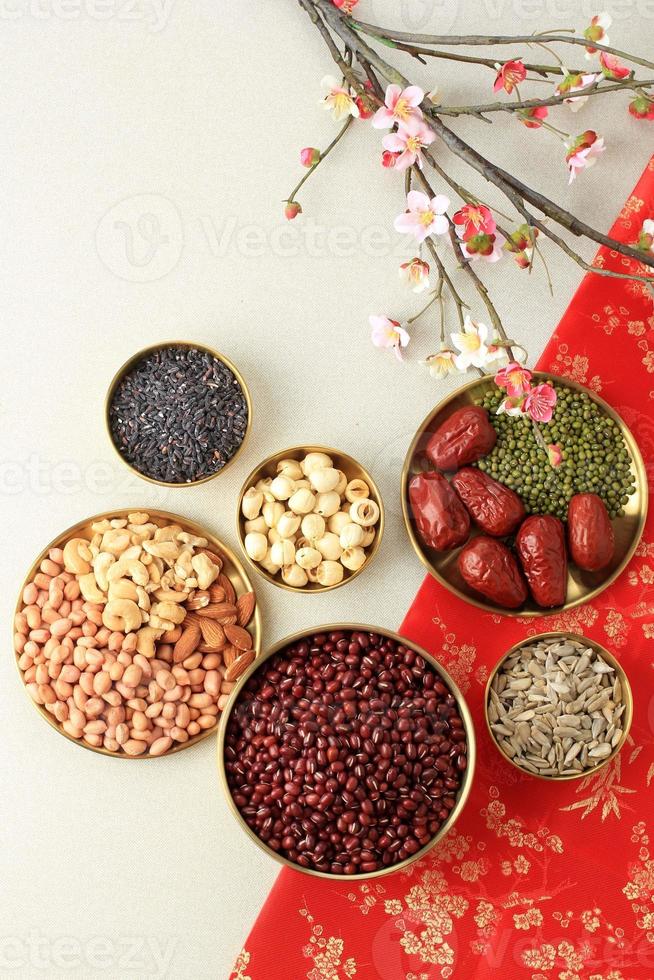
(347,751)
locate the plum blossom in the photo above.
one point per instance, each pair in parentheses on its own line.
(409,141)
(415,274)
(612,67)
(473,346)
(642,107)
(442,364)
(583,152)
(363,104)
(533,118)
(347,6)
(513,406)
(540,402)
(487,247)
(574,82)
(388,334)
(596,32)
(399,106)
(554,454)
(338,99)
(423,216)
(515,379)
(510,74)
(309,156)
(521,245)
(473,219)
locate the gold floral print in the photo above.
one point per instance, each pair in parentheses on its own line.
(606,789)
(326,953)
(639,888)
(460,657)
(242,962)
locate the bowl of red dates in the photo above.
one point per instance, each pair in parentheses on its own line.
(522,518)
(348,752)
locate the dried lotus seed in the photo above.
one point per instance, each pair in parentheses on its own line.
(272,511)
(282,487)
(273,535)
(315,461)
(252,503)
(352,536)
(313,526)
(290,468)
(302,501)
(338,521)
(295,576)
(353,558)
(283,552)
(364,512)
(269,565)
(308,558)
(325,479)
(330,573)
(256,545)
(342,483)
(288,524)
(327,504)
(263,486)
(329,546)
(368,536)
(356,490)
(258,524)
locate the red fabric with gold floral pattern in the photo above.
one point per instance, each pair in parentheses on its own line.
(537,881)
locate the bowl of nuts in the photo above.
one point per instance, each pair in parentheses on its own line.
(131,630)
(558,706)
(310,518)
(360,759)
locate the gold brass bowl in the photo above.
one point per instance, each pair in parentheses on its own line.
(582,586)
(232,568)
(352,469)
(464,711)
(129,366)
(627,698)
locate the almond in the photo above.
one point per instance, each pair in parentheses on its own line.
(230,593)
(172,636)
(240,665)
(216,610)
(238,637)
(216,593)
(245,607)
(199,600)
(187,643)
(230,654)
(212,634)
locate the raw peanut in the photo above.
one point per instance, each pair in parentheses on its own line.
(137,704)
(46,694)
(122,733)
(94,740)
(39,635)
(239,666)
(41,675)
(72,590)
(160,745)
(134,747)
(129,643)
(212,683)
(181,675)
(179,734)
(187,643)
(110,744)
(116,671)
(21,624)
(140,721)
(50,567)
(113,698)
(97,727)
(245,608)
(211,661)
(192,662)
(30,594)
(200,700)
(196,676)
(93,708)
(206,721)
(238,637)
(71,729)
(193,729)
(101,683)
(132,676)
(183,716)
(61,711)
(42,580)
(223,701)
(140,736)
(154,710)
(174,694)
(165,680)
(86,683)
(169,711)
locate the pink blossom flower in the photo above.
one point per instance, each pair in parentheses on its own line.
(473,344)
(389,159)
(309,156)
(514,378)
(510,74)
(399,106)
(554,454)
(423,216)
(612,67)
(533,118)
(487,247)
(292,210)
(540,402)
(347,6)
(473,219)
(388,334)
(415,274)
(442,364)
(574,82)
(514,407)
(338,100)
(409,141)
(642,107)
(583,152)
(596,32)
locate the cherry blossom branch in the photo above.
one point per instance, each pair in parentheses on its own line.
(323,153)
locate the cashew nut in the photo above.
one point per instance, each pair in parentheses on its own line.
(167,533)
(145,640)
(101,565)
(122,588)
(183,567)
(192,540)
(143,599)
(121,615)
(77,556)
(131,568)
(170,611)
(168,550)
(89,588)
(99,527)
(119,522)
(205,570)
(171,595)
(138,517)
(116,541)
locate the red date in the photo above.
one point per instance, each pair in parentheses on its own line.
(541,547)
(463,438)
(495,508)
(590,532)
(442,520)
(489,567)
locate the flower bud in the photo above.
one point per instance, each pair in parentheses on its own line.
(309,156)
(388,159)
(292,210)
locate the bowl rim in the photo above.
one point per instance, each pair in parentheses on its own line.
(627,695)
(468,724)
(480,603)
(131,363)
(56,542)
(311,588)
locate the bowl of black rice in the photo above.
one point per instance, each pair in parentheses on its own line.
(178,413)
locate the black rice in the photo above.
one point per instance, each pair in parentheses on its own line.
(179,415)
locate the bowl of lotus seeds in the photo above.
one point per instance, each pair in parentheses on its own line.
(310,518)
(558,706)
